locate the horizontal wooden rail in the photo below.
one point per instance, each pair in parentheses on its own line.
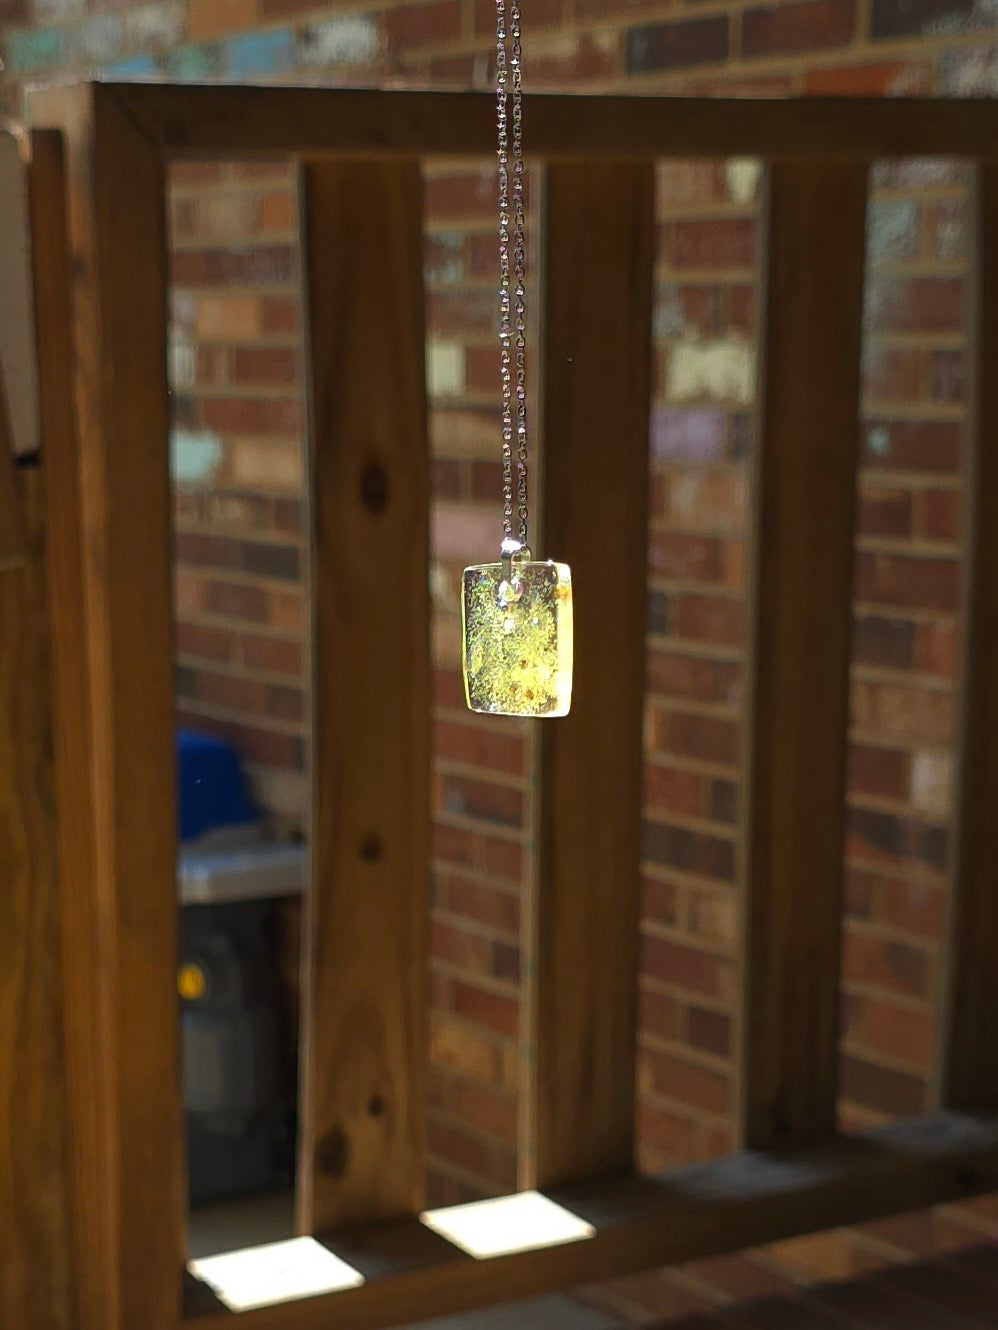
(702,1210)
(289,121)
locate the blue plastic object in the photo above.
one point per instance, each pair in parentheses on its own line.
(211,791)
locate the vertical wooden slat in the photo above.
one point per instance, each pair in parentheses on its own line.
(801,611)
(117,229)
(968,1068)
(363,1083)
(599,250)
(34,1266)
(83,1019)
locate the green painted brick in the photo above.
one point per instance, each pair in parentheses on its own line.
(26,52)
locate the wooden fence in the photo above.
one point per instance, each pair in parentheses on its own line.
(92,1181)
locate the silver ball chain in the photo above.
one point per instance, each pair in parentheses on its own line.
(512,296)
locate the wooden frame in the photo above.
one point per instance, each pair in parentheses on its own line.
(111,572)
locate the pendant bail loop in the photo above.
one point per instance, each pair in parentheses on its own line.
(511,549)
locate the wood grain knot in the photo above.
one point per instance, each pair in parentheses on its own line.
(372,847)
(332,1153)
(375,1106)
(374,488)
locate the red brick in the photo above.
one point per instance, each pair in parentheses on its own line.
(883,641)
(686,1082)
(684,558)
(502,858)
(903,18)
(264,365)
(679,966)
(880,80)
(916,583)
(659,1014)
(486,480)
(677,45)
(277,655)
(484,800)
(570,58)
(797,27)
(485,1160)
(689,851)
(915,445)
(937,514)
(896,1032)
(447,478)
(916,304)
(882,1088)
(878,771)
(913,907)
(461,948)
(935,649)
(468,194)
(278,212)
(892,374)
(251,265)
(544,14)
(669,790)
(279,314)
(249,415)
(453,845)
(667,1133)
(488,1109)
(709,243)
(482,1007)
(217,644)
(674,674)
(711,619)
(491,749)
(884,512)
(706,738)
(892,965)
(659,901)
(709,1031)
(422,25)
(484,904)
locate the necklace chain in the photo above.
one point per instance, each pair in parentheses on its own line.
(512,294)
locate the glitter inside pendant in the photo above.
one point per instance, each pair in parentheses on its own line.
(518,638)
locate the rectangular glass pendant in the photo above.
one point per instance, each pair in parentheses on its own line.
(518,638)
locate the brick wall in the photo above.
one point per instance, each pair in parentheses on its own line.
(242,664)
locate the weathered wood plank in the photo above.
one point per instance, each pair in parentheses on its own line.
(801,617)
(362,1091)
(233,121)
(13,537)
(968,1075)
(116,213)
(34,1264)
(17,332)
(596,390)
(704,1210)
(84,1016)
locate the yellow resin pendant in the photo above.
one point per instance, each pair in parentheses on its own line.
(517,618)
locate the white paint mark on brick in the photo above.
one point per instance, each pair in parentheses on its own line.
(182,363)
(743,175)
(931,780)
(722,370)
(100,39)
(155,27)
(350,40)
(57,11)
(194,456)
(445,368)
